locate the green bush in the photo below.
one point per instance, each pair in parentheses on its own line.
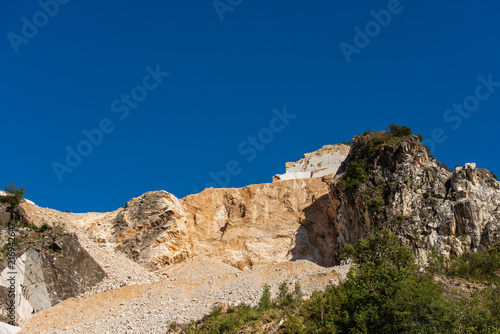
(376,204)
(266,302)
(399,218)
(400,131)
(481,313)
(382,295)
(218,322)
(298,294)
(476,266)
(471,266)
(355,175)
(494,176)
(45,227)
(14,195)
(286,298)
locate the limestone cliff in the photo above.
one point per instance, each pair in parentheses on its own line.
(319,163)
(390,181)
(254,225)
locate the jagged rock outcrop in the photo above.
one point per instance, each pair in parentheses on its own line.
(319,163)
(254,225)
(152,229)
(42,267)
(400,187)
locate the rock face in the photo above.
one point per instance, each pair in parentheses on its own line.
(319,163)
(152,229)
(4,213)
(254,225)
(415,196)
(8,329)
(26,276)
(50,266)
(385,181)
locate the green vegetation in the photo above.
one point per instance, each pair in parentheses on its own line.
(13,198)
(14,195)
(399,219)
(483,267)
(348,143)
(494,176)
(376,204)
(244,316)
(266,302)
(355,175)
(42,228)
(400,131)
(384,293)
(420,137)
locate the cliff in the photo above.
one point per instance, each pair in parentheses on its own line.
(391,181)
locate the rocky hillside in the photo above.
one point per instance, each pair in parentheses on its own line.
(295,226)
(247,227)
(41,267)
(389,180)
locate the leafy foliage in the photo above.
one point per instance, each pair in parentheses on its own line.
(376,204)
(266,301)
(235,318)
(14,195)
(400,131)
(355,175)
(481,314)
(471,266)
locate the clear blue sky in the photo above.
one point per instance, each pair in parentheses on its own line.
(84,67)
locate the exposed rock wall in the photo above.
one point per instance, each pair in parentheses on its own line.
(415,196)
(244,227)
(50,266)
(26,277)
(319,163)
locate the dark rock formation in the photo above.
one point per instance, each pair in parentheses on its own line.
(51,266)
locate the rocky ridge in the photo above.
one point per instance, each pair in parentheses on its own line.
(404,189)
(222,245)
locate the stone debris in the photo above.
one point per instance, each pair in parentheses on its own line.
(195,287)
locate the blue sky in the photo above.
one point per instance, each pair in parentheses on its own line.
(172,93)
